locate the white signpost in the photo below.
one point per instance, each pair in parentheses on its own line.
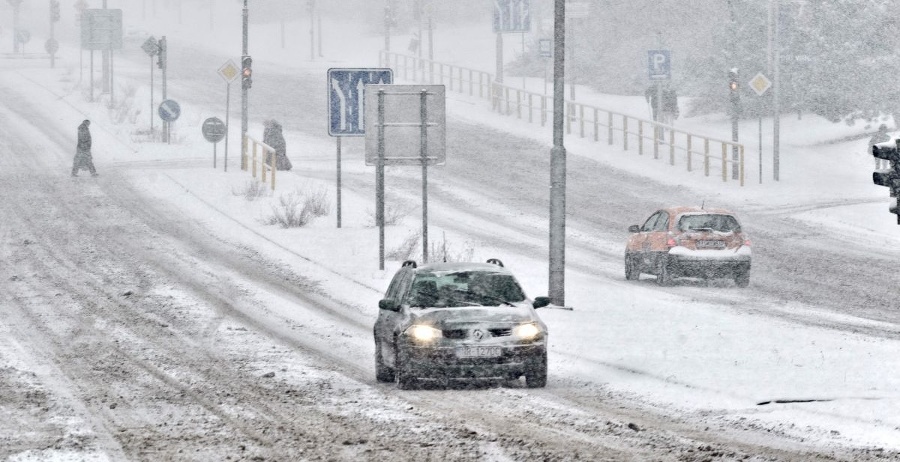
(409,122)
(760,84)
(229,72)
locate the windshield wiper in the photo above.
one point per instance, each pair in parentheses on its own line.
(492,298)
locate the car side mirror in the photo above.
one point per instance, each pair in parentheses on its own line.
(540,302)
(389,304)
(634,229)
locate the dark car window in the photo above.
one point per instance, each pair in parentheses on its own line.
(662,224)
(709,222)
(463,288)
(398,285)
(650,224)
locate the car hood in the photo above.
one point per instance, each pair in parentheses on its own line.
(455,316)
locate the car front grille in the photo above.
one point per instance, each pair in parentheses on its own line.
(455,334)
(458,334)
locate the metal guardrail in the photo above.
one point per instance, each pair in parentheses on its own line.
(582,119)
(266,161)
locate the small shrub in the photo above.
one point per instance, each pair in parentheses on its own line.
(253,190)
(407,249)
(444,252)
(318,202)
(292,211)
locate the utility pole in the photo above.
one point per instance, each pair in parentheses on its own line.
(387,25)
(244,93)
(105,57)
(15,32)
(312,30)
(557,259)
(776,122)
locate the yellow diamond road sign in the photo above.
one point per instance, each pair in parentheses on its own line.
(760,84)
(229,71)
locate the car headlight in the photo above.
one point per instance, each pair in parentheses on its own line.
(527,331)
(424,333)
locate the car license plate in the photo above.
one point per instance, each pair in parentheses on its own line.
(478,352)
(710,244)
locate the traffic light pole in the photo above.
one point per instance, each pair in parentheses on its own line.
(244,93)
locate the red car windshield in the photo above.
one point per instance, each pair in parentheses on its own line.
(709,222)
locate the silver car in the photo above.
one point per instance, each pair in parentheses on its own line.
(446,322)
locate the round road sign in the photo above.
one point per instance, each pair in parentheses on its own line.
(169,110)
(51,45)
(213,129)
(23,36)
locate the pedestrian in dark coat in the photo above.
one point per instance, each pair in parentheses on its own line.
(273,136)
(83,157)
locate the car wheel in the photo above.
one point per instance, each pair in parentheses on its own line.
(631,271)
(382,373)
(663,275)
(406,380)
(742,279)
(536,372)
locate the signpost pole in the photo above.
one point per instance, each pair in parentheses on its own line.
(423,148)
(214,154)
(379,181)
(338,140)
(227,113)
(151,96)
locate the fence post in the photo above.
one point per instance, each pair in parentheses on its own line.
(689,138)
(506,97)
(640,137)
(254,159)
(570,109)
(655,141)
(706,156)
(471,82)
(530,107)
(581,119)
(543,110)
(518,104)
(609,121)
(262,165)
(671,147)
(625,133)
(724,162)
(596,125)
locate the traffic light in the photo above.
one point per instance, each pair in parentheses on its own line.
(889,177)
(734,90)
(246,72)
(161,56)
(54,10)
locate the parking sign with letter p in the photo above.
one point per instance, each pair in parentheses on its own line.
(659,64)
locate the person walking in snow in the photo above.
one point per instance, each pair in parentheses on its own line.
(83,157)
(880,137)
(273,136)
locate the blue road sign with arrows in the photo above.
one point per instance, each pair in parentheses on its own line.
(169,110)
(346,99)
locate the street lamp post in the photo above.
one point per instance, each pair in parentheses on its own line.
(558,163)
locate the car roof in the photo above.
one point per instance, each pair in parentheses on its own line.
(680,210)
(461,266)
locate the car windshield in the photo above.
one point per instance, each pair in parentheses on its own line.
(464,288)
(709,222)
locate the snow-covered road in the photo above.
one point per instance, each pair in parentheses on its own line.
(148,314)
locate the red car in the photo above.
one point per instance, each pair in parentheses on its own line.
(689,242)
